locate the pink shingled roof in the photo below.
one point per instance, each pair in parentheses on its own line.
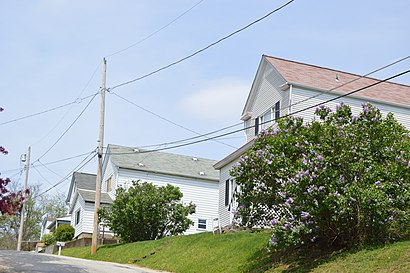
(325,78)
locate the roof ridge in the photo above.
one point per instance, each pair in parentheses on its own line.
(161,152)
(333,69)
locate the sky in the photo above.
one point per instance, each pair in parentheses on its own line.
(52,52)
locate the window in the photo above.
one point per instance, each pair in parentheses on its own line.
(109,184)
(256,126)
(277,110)
(227,193)
(77,216)
(202,223)
(266,119)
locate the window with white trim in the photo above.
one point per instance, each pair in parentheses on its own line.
(202,223)
(267,119)
(77,216)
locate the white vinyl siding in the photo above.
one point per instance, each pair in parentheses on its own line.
(79,205)
(401,114)
(225,215)
(267,94)
(109,172)
(203,193)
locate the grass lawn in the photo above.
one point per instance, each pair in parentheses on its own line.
(246,252)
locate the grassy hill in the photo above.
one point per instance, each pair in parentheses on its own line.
(246,252)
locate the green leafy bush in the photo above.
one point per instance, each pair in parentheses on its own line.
(48,239)
(64,233)
(342,180)
(147,212)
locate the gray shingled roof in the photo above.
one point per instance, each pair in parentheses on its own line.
(85,181)
(89,196)
(164,163)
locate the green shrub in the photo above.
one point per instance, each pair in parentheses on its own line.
(48,239)
(147,212)
(64,233)
(342,180)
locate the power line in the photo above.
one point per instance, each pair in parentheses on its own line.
(291,114)
(78,100)
(288,106)
(76,169)
(349,82)
(64,159)
(48,163)
(155,32)
(69,127)
(191,138)
(72,105)
(167,120)
(50,170)
(42,176)
(203,49)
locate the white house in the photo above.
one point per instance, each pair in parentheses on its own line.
(81,200)
(45,224)
(283,87)
(195,177)
(65,220)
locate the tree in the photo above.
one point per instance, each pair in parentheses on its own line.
(342,180)
(147,212)
(9,201)
(35,209)
(64,233)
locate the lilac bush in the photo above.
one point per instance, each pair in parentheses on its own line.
(339,180)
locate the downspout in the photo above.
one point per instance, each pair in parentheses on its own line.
(290,99)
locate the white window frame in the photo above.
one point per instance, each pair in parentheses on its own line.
(77,217)
(202,222)
(268,118)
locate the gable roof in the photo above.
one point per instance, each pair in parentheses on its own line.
(162,163)
(322,78)
(89,196)
(85,181)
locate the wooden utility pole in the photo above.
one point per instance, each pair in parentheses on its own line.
(98,181)
(20,238)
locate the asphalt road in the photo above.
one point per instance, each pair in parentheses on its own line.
(29,262)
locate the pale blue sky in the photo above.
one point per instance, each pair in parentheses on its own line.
(51,48)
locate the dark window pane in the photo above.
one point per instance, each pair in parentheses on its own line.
(227,193)
(277,110)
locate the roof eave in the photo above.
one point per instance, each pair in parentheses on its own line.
(172,174)
(235,155)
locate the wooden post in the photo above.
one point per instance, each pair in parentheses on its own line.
(20,237)
(98,181)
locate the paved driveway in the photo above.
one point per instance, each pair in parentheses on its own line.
(29,262)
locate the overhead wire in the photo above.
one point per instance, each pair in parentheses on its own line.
(349,82)
(43,177)
(202,49)
(78,100)
(69,127)
(81,165)
(48,163)
(166,119)
(155,32)
(72,105)
(287,115)
(288,106)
